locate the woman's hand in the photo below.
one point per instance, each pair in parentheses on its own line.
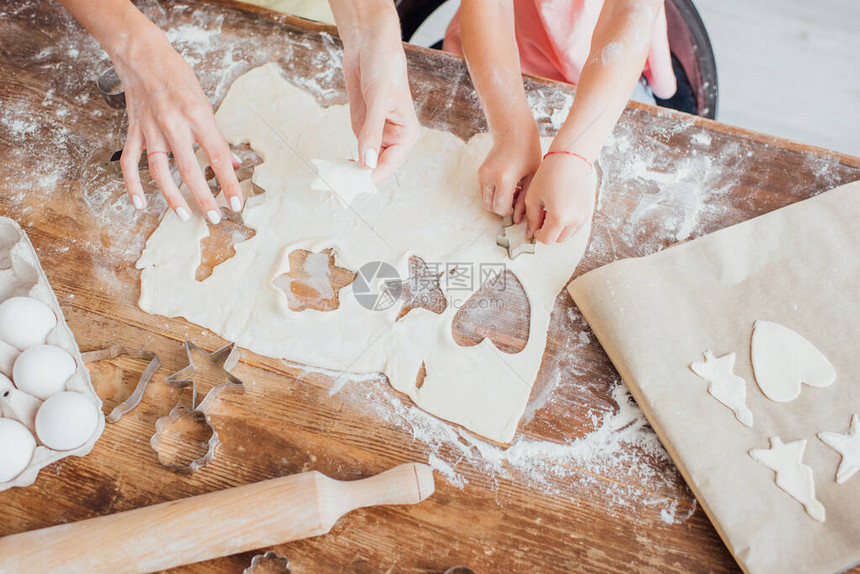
(507,170)
(374,67)
(560,198)
(168,112)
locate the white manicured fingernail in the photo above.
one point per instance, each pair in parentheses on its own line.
(235,203)
(236,158)
(137,201)
(182,214)
(370,158)
(214,216)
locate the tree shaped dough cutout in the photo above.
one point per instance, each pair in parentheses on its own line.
(782,360)
(848,445)
(792,476)
(314,281)
(724,385)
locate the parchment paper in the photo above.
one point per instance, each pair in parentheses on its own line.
(798,266)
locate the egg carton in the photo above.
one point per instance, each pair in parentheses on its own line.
(22,275)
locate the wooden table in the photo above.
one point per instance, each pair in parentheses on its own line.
(665,177)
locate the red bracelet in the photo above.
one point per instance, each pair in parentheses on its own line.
(565,152)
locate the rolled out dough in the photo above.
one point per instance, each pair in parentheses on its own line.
(430,208)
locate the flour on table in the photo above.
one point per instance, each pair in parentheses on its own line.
(724,385)
(782,360)
(431,209)
(848,445)
(792,476)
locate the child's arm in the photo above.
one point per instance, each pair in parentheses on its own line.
(167,109)
(489,46)
(563,184)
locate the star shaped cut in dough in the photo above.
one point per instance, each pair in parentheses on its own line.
(848,445)
(513,238)
(314,281)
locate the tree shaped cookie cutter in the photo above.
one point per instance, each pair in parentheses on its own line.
(225,358)
(514,246)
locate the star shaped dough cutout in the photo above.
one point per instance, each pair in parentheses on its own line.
(848,445)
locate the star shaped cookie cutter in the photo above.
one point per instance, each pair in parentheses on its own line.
(504,240)
(225,358)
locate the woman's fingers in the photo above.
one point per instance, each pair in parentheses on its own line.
(159,168)
(192,174)
(370,136)
(389,160)
(129,163)
(221,161)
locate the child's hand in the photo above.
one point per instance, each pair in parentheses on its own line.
(508,169)
(560,199)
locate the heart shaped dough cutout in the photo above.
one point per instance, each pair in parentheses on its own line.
(782,360)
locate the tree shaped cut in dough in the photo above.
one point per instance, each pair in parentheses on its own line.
(724,385)
(220,244)
(782,360)
(848,445)
(792,476)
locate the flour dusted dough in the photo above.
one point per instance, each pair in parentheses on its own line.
(782,360)
(345,179)
(431,209)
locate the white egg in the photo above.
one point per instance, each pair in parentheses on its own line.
(16,449)
(25,322)
(43,370)
(5,383)
(66,421)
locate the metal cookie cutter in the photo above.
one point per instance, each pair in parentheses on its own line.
(110,87)
(137,395)
(269,563)
(225,359)
(514,245)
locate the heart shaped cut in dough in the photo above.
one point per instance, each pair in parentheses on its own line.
(782,360)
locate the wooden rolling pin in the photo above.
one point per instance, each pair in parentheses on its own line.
(210,525)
